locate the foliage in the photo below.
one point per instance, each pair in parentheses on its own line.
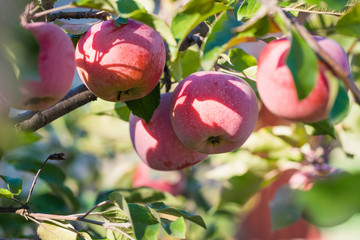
(93,186)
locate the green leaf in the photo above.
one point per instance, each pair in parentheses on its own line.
(355,67)
(160,207)
(331,201)
(129,8)
(302,62)
(283,209)
(193,13)
(341,104)
(106,5)
(13,184)
(240,188)
(190,61)
(118,109)
(175,229)
(323,128)
(136,195)
(349,24)
(5,193)
(240,60)
(331,4)
(145,107)
(247,9)
(50,231)
(145,226)
(220,39)
(120,201)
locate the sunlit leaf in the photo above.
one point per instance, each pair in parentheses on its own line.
(13,184)
(108,5)
(50,231)
(247,9)
(302,62)
(349,23)
(145,226)
(175,229)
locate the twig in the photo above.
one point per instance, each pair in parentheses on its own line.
(56,156)
(313,11)
(96,206)
(32,121)
(43,13)
(102,15)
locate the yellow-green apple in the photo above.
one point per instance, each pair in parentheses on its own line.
(156,143)
(120,63)
(276,86)
(213,112)
(171,181)
(257,222)
(56,70)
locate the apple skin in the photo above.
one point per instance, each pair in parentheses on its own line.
(173,182)
(276,86)
(268,119)
(56,69)
(213,112)
(120,63)
(156,142)
(257,223)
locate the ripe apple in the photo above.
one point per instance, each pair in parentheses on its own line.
(268,119)
(56,70)
(172,182)
(156,143)
(213,112)
(276,86)
(120,63)
(257,223)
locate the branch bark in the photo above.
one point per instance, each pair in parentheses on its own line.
(32,121)
(102,15)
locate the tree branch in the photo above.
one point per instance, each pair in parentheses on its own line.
(32,121)
(102,15)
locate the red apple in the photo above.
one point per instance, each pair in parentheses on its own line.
(257,223)
(268,119)
(172,182)
(156,143)
(56,70)
(276,86)
(120,63)
(213,112)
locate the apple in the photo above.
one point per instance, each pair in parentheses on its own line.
(268,119)
(276,86)
(156,142)
(56,70)
(257,223)
(172,182)
(120,63)
(213,112)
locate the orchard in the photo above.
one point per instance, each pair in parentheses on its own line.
(180,119)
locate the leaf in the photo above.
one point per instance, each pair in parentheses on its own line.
(240,188)
(5,193)
(145,107)
(247,9)
(341,104)
(118,109)
(284,211)
(13,184)
(129,8)
(190,61)
(323,128)
(220,39)
(331,201)
(331,4)
(160,207)
(145,226)
(302,62)
(106,5)
(136,195)
(349,23)
(175,229)
(50,231)
(193,13)
(240,60)
(355,67)
(120,201)
(72,28)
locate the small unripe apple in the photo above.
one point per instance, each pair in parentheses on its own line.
(120,63)
(277,89)
(213,112)
(56,70)
(257,223)
(156,143)
(172,181)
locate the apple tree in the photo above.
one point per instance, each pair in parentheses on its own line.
(171,119)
